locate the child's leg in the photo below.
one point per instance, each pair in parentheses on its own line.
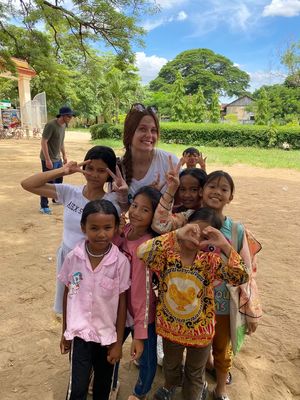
(127,331)
(103,372)
(147,364)
(81,364)
(173,354)
(222,352)
(194,372)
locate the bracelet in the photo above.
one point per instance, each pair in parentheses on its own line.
(169,194)
(168,209)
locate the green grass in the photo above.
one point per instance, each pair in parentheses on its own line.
(266,158)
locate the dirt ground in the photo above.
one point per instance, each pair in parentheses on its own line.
(31,366)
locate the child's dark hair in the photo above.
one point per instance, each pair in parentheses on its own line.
(104,153)
(102,207)
(191,150)
(153,194)
(196,173)
(206,214)
(218,175)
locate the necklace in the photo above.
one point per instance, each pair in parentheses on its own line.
(97,255)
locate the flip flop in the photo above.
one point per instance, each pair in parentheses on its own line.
(213,373)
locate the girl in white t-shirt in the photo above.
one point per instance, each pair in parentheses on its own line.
(143,164)
(96,276)
(74,198)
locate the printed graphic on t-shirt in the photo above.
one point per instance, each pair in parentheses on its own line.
(73,207)
(74,283)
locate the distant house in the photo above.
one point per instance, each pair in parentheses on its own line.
(238,108)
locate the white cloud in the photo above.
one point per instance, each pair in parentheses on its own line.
(149,25)
(282,8)
(167,4)
(238,15)
(181,16)
(149,67)
(260,78)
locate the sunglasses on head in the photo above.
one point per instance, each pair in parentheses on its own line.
(140,107)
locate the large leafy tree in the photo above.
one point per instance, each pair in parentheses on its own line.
(113,23)
(284,101)
(263,111)
(213,72)
(179,102)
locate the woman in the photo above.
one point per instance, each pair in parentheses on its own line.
(142,163)
(96,162)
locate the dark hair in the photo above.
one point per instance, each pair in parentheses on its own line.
(196,173)
(218,175)
(132,120)
(191,150)
(154,196)
(206,214)
(104,153)
(99,206)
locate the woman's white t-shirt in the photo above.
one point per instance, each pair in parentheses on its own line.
(159,165)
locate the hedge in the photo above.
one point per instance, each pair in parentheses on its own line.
(227,135)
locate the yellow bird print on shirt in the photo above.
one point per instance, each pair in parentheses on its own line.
(182,298)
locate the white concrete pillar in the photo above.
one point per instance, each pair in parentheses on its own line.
(25,98)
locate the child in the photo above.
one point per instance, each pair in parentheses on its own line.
(189,193)
(185,316)
(192,156)
(217,193)
(96,276)
(141,296)
(74,197)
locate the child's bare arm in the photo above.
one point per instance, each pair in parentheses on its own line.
(65,345)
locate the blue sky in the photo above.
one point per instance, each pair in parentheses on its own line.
(251,33)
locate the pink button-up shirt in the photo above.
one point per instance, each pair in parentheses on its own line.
(93,296)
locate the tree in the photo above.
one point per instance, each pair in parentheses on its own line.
(214,115)
(213,72)
(179,104)
(199,109)
(262,116)
(284,101)
(111,22)
(291,60)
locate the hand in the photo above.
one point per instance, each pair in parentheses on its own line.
(202,162)
(214,237)
(119,184)
(251,327)
(72,166)
(190,232)
(65,160)
(172,176)
(114,353)
(137,348)
(156,183)
(65,345)
(49,164)
(123,222)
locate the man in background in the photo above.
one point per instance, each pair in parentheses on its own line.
(53,153)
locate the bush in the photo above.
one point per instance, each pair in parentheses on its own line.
(106,131)
(230,135)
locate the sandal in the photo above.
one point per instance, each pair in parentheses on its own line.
(164,394)
(222,397)
(213,373)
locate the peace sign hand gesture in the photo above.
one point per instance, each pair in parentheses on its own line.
(119,186)
(172,176)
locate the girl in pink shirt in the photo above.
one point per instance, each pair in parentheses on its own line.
(96,277)
(141,296)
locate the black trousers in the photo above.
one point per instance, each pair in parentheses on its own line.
(83,357)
